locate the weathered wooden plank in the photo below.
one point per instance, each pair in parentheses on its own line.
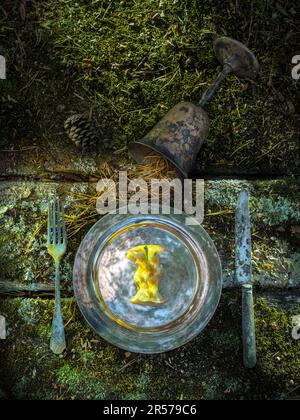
(12,289)
(224,171)
(39,163)
(274,209)
(281,298)
(16,289)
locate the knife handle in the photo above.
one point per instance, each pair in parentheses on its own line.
(249,340)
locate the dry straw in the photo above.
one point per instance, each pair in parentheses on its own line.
(82,212)
(84,208)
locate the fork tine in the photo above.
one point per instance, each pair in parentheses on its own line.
(49,238)
(54,221)
(58,221)
(64,236)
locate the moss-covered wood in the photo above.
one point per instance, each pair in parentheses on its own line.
(275,216)
(209,367)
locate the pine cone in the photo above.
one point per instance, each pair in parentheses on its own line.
(81,132)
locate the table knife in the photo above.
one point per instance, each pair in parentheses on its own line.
(244,276)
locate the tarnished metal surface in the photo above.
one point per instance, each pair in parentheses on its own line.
(178,137)
(249,339)
(2,327)
(57,246)
(211,91)
(237,56)
(243,240)
(244,276)
(190,284)
(180,134)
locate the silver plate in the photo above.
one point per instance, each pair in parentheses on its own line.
(190,284)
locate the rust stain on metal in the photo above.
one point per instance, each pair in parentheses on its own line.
(180,134)
(178,137)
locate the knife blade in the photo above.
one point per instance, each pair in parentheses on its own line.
(244,276)
(243,239)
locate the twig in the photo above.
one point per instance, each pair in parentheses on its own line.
(220,212)
(19,150)
(129,363)
(15,289)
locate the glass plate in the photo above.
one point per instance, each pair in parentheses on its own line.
(190,281)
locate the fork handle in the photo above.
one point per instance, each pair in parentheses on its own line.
(58,341)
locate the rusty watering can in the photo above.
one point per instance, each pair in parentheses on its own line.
(180,134)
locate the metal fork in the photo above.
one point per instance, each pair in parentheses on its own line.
(57,245)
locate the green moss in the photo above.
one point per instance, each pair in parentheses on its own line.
(295,265)
(272,203)
(274,212)
(23,210)
(44,332)
(208,367)
(29,311)
(133,61)
(277,211)
(80,383)
(274,208)
(282,363)
(139,59)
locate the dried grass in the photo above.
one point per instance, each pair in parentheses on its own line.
(85,214)
(82,212)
